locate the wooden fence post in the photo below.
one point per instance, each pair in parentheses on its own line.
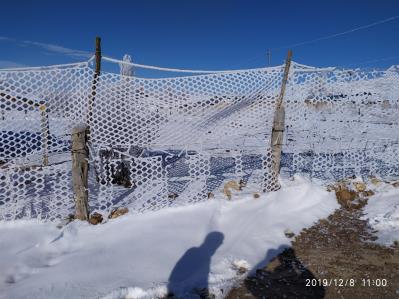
(98,55)
(279,119)
(80,167)
(80,151)
(44,124)
(95,80)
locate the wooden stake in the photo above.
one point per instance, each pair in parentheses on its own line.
(98,55)
(44,120)
(279,118)
(80,167)
(45,133)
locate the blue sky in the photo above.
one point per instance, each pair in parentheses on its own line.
(199,34)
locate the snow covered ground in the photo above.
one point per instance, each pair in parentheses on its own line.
(382,211)
(142,255)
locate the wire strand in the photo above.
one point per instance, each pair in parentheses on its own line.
(151,67)
(338,34)
(84,63)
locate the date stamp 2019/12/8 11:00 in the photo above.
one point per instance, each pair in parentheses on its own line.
(346,282)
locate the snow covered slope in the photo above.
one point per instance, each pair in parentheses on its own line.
(382,211)
(136,254)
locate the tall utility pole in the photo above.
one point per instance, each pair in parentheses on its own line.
(269,57)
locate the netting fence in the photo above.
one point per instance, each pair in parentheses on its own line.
(164,142)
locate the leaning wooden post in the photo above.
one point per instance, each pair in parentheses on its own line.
(80,167)
(45,127)
(279,118)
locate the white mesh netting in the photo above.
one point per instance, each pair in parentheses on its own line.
(172,141)
(342,123)
(38,109)
(163,142)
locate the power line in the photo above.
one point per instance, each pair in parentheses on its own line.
(326,37)
(372,61)
(338,34)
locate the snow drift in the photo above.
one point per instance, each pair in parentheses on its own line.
(134,256)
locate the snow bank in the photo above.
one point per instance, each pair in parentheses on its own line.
(133,256)
(382,211)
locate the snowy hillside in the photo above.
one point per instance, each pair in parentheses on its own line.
(134,256)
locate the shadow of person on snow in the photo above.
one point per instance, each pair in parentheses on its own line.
(284,277)
(192,270)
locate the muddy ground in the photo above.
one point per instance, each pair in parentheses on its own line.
(337,255)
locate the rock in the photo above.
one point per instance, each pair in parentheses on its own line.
(275,262)
(117,212)
(323,221)
(204,293)
(230,185)
(357,205)
(330,188)
(288,233)
(173,196)
(210,195)
(395,184)
(95,218)
(241,266)
(242,184)
(256,195)
(368,193)
(242,270)
(375,181)
(345,197)
(359,186)
(337,186)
